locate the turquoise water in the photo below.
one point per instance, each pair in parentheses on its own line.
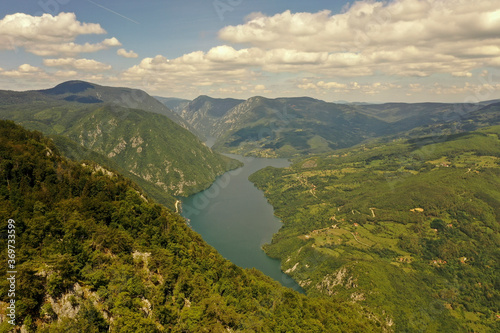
(235,218)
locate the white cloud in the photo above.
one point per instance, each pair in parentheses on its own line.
(369,23)
(325,88)
(398,38)
(46,28)
(354,53)
(66,74)
(472,92)
(111,42)
(219,66)
(126,54)
(28,76)
(87,65)
(49,35)
(401,37)
(70,49)
(24,71)
(462,74)
(260,89)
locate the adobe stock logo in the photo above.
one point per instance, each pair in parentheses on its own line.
(51,6)
(221,7)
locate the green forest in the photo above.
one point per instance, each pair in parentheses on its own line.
(230,166)
(163,157)
(397,234)
(95,254)
(409,228)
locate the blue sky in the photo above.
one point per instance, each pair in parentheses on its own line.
(398,50)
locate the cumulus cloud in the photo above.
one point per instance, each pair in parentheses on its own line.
(328,87)
(49,35)
(472,92)
(46,28)
(27,76)
(382,40)
(70,49)
(398,38)
(216,67)
(403,22)
(401,37)
(66,74)
(87,65)
(126,54)
(25,71)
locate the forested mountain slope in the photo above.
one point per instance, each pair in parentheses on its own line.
(204,112)
(93,254)
(174,104)
(290,127)
(159,153)
(91,93)
(410,227)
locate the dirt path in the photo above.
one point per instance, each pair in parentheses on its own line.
(357,240)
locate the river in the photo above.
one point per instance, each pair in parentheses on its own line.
(235,218)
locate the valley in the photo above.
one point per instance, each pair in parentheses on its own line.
(378,201)
(235,218)
(126,130)
(94,253)
(237,166)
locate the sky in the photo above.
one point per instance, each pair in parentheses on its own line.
(358,51)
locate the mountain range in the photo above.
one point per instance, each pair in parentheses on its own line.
(288,127)
(85,92)
(381,200)
(127,127)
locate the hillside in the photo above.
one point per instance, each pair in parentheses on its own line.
(458,118)
(292,126)
(76,152)
(417,217)
(160,154)
(94,254)
(174,104)
(204,112)
(90,93)
(405,116)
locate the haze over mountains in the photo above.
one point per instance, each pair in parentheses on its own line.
(173,103)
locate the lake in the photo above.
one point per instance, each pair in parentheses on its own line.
(235,218)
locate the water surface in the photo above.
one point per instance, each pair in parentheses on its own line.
(235,218)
